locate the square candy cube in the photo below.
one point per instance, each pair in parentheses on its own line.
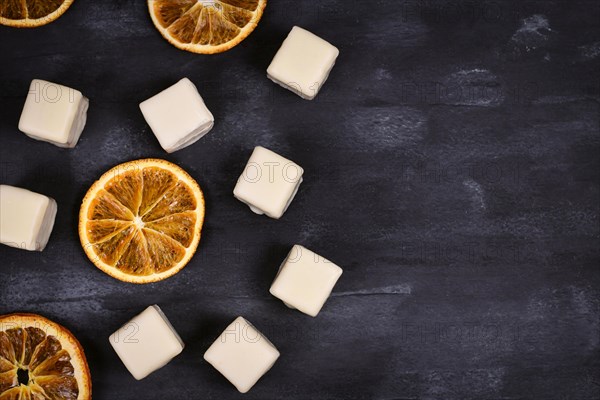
(26,218)
(146,343)
(269,183)
(305,280)
(303,63)
(242,354)
(178,116)
(54,113)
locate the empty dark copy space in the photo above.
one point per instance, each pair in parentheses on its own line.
(451,169)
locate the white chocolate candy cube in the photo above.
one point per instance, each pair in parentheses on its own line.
(178,116)
(54,113)
(305,280)
(269,183)
(303,63)
(242,354)
(146,343)
(26,218)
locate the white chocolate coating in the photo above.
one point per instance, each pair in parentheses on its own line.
(303,63)
(305,280)
(146,343)
(54,113)
(26,218)
(269,183)
(178,116)
(242,354)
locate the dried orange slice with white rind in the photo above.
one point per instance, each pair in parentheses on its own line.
(141,221)
(31,13)
(206,26)
(40,360)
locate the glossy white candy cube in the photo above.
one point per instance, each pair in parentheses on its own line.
(54,113)
(146,343)
(178,116)
(269,183)
(26,218)
(303,63)
(305,280)
(242,354)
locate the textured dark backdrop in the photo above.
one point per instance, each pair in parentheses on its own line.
(452,170)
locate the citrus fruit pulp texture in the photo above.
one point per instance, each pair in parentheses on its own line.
(204,26)
(40,360)
(31,13)
(141,221)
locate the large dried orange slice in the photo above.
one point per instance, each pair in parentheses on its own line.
(206,26)
(141,221)
(41,360)
(31,13)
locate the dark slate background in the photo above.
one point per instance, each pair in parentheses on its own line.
(452,169)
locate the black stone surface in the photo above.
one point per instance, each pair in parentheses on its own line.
(452,169)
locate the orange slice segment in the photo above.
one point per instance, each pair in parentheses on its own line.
(104,229)
(111,250)
(107,206)
(41,360)
(127,189)
(141,221)
(178,199)
(157,182)
(31,13)
(178,226)
(165,252)
(206,26)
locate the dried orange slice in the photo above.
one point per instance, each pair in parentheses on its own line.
(141,221)
(31,13)
(41,360)
(206,26)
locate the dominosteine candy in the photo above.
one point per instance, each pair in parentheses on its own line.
(54,113)
(303,63)
(305,280)
(146,343)
(26,218)
(178,116)
(242,354)
(269,183)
